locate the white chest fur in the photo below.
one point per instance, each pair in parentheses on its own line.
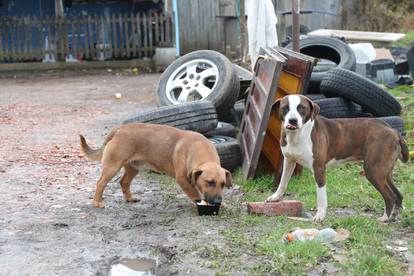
(299,145)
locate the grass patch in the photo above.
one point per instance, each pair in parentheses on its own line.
(405,42)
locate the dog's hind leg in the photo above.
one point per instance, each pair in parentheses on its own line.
(397,193)
(108,172)
(380,182)
(112,162)
(130,173)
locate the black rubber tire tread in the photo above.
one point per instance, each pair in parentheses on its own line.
(337,108)
(396,122)
(198,116)
(229,152)
(238,111)
(235,114)
(223,129)
(227,89)
(350,85)
(314,83)
(329,48)
(315,97)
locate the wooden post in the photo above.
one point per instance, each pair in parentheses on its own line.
(59,8)
(295,25)
(243,31)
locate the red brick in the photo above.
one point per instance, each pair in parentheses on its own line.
(282,208)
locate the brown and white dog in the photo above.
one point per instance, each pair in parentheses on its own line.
(316,142)
(187,156)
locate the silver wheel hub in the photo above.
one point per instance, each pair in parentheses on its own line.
(192,81)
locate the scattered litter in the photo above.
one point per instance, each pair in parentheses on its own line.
(397,248)
(301,219)
(326,235)
(118,96)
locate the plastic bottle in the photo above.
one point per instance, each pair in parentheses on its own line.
(326,235)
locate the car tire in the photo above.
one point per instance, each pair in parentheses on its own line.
(338,108)
(223,129)
(396,122)
(350,85)
(235,114)
(326,48)
(221,84)
(315,97)
(198,116)
(229,151)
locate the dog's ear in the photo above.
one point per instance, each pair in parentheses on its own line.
(194,176)
(229,179)
(314,109)
(276,106)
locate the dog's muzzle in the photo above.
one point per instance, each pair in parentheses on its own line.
(214,199)
(292,124)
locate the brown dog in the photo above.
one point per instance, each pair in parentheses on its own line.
(316,142)
(187,156)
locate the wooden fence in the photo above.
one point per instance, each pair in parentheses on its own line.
(84,38)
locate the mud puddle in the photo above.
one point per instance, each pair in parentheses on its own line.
(134,267)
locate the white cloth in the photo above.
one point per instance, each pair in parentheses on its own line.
(261,26)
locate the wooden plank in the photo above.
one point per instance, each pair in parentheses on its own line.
(108,29)
(139,39)
(168,30)
(114,37)
(121,36)
(2,48)
(127,35)
(133,37)
(144,24)
(66,28)
(227,8)
(204,17)
(28,28)
(36,35)
(150,36)
(157,31)
(81,42)
(86,30)
(161,26)
(42,45)
(61,42)
(17,27)
(7,40)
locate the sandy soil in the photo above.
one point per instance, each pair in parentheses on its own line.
(47,223)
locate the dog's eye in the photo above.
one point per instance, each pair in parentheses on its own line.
(301,108)
(211,183)
(285,110)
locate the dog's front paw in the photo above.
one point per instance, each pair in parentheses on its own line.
(274,198)
(98,204)
(319,217)
(384,219)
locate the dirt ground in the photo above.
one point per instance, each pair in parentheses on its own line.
(47,223)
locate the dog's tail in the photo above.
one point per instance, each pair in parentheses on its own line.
(404,150)
(90,154)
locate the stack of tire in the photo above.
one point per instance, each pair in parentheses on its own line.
(342,93)
(192,94)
